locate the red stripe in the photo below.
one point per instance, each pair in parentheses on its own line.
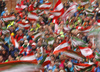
(61,50)
(13,40)
(58,2)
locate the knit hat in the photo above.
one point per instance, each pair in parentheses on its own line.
(69,63)
(33,44)
(61,65)
(26,41)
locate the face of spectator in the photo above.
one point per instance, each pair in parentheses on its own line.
(98,64)
(69,66)
(4,52)
(56,70)
(1,58)
(39,43)
(38,55)
(20,32)
(38,50)
(52,58)
(48,48)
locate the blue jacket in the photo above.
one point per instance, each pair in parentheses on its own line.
(3,13)
(97,69)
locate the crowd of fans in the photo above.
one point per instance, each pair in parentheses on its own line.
(59,62)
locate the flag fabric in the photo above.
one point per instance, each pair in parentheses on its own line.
(97,56)
(86,51)
(73,54)
(87,29)
(78,42)
(47,61)
(58,10)
(45,6)
(61,47)
(36,35)
(56,25)
(92,1)
(29,58)
(51,40)
(94,32)
(98,22)
(69,12)
(33,16)
(25,25)
(9,18)
(67,28)
(20,66)
(56,13)
(82,66)
(18,7)
(31,7)
(14,42)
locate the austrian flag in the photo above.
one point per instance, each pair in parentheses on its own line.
(45,6)
(61,47)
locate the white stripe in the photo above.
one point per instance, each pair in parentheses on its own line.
(51,16)
(61,46)
(37,35)
(24,25)
(41,13)
(44,6)
(23,6)
(79,67)
(32,57)
(56,13)
(17,6)
(87,30)
(86,51)
(47,59)
(73,55)
(32,16)
(98,24)
(59,7)
(16,44)
(9,18)
(22,68)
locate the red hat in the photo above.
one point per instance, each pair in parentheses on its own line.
(33,44)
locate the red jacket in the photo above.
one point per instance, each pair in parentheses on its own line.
(18,37)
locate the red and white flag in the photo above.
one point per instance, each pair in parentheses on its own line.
(87,29)
(9,18)
(58,10)
(81,66)
(31,7)
(47,61)
(79,27)
(98,22)
(69,12)
(92,1)
(18,7)
(14,42)
(56,25)
(25,25)
(33,16)
(86,51)
(61,47)
(45,6)
(29,57)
